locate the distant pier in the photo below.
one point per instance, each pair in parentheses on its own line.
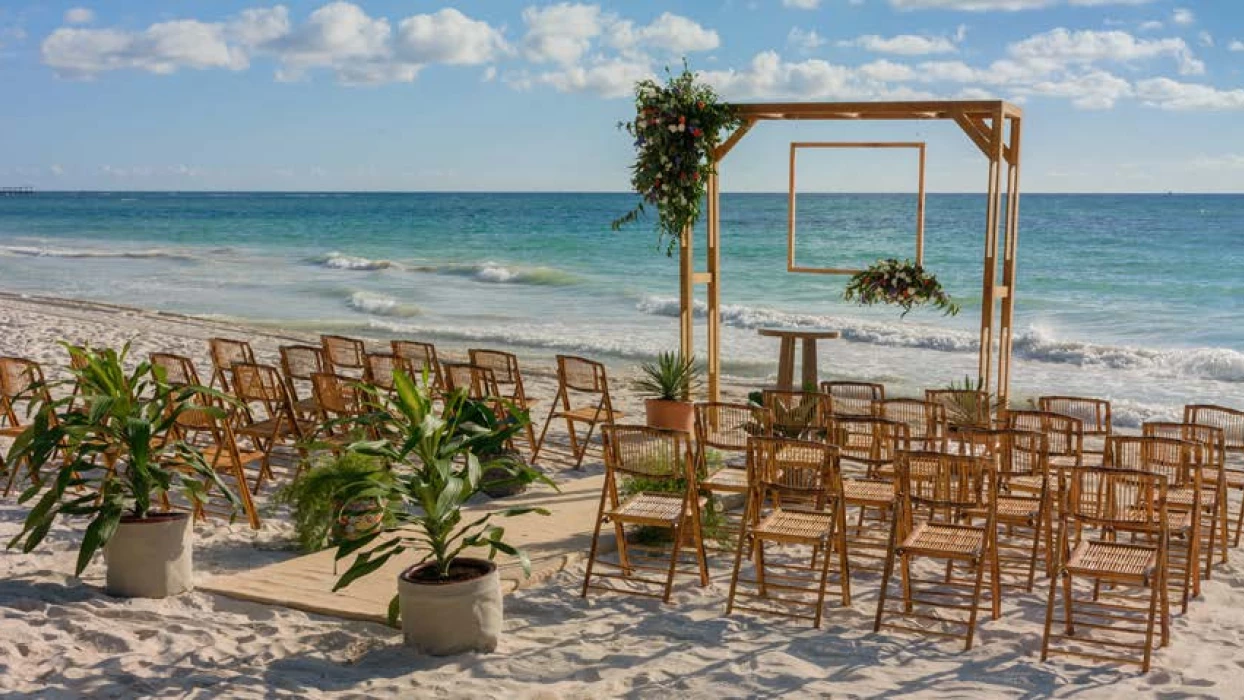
(16,191)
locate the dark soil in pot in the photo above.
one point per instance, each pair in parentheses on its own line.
(462,569)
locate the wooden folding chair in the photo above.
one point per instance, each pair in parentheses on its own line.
(422,357)
(724,429)
(175,370)
(381,367)
(1095,421)
(1231,422)
(799,415)
(298,363)
(925,421)
(867,448)
(340,402)
(1179,463)
(579,377)
(215,438)
(1064,439)
(22,389)
(344,356)
(508,380)
(224,353)
(936,490)
(268,417)
(797,500)
(478,382)
(854,398)
(966,408)
(1213,457)
(658,459)
(1108,502)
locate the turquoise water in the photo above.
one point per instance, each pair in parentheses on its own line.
(1135,297)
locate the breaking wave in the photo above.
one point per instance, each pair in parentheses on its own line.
(380,305)
(339,261)
(496,273)
(40,252)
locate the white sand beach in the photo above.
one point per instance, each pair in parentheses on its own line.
(63,638)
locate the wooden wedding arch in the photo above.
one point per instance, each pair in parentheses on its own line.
(993,125)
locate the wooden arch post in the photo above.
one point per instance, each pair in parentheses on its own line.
(993,125)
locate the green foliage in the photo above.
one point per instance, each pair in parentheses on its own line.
(111,456)
(315,496)
(966,407)
(676,127)
(673,377)
(903,284)
(436,457)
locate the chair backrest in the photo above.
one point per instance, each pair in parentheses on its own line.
(20,380)
(800,470)
(1212,440)
(1023,453)
(302,361)
(175,370)
(727,426)
(964,407)
(941,481)
(336,395)
(1064,434)
(868,439)
(504,365)
(422,356)
(799,414)
(581,374)
(224,352)
(1094,414)
(341,353)
(262,383)
(1113,499)
(651,454)
(381,367)
(1176,460)
(1230,420)
(854,398)
(925,421)
(478,382)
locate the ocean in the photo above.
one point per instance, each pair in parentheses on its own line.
(1135,298)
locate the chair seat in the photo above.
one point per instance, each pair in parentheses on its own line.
(307,405)
(795,526)
(1182,498)
(872,493)
(649,509)
(1235,479)
(726,481)
(1102,559)
(219,456)
(589,414)
(1030,483)
(1012,509)
(264,428)
(940,539)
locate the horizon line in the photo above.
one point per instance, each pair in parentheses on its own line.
(38,191)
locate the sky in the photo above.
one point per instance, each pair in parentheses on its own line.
(1118,95)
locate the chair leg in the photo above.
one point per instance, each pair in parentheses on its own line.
(995,581)
(591,557)
(624,560)
(976,601)
(820,595)
(679,531)
(535,452)
(844,563)
(1239,523)
(1069,627)
(1049,618)
(905,577)
(738,564)
(1153,611)
(886,573)
(759,547)
(1036,546)
(582,449)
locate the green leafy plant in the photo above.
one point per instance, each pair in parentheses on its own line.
(435,456)
(673,377)
(111,455)
(903,284)
(970,405)
(677,126)
(712,520)
(315,497)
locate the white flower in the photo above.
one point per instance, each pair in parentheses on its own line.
(641,123)
(682,127)
(673,128)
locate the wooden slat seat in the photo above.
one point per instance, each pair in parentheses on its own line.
(1013,509)
(649,509)
(1094,558)
(866,492)
(590,414)
(796,526)
(944,540)
(265,427)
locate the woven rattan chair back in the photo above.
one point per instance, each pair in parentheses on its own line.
(786,469)
(650,454)
(337,396)
(1064,435)
(854,398)
(925,421)
(1094,414)
(727,426)
(942,482)
(175,370)
(580,374)
(504,367)
(799,415)
(343,355)
(299,362)
(1177,460)
(1229,420)
(870,440)
(422,357)
(21,382)
(381,367)
(259,383)
(224,352)
(478,382)
(964,407)
(1109,499)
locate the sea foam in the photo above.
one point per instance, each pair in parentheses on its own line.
(380,305)
(340,261)
(497,273)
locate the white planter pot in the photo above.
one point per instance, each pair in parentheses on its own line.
(151,558)
(450,618)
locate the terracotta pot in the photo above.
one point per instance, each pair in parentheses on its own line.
(150,557)
(671,415)
(452,617)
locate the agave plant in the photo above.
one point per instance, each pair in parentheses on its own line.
(437,468)
(968,404)
(673,377)
(111,456)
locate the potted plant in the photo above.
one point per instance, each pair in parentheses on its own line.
(904,284)
(670,382)
(114,463)
(448,603)
(321,516)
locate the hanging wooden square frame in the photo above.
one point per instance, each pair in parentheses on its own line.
(791,265)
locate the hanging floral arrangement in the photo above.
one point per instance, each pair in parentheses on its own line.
(903,284)
(676,127)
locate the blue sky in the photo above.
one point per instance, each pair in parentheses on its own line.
(1119,95)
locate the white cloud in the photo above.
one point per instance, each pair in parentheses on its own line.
(1093,90)
(1183,16)
(608,78)
(448,36)
(1061,47)
(669,33)
(1174,95)
(887,71)
(802,4)
(1150,26)
(79,15)
(161,48)
(560,33)
(1204,38)
(340,36)
(258,26)
(804,41)
(1235,45)
(903,44)
(768,76)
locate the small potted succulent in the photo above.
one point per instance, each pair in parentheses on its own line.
(670,383)
(114,460)
(448,603)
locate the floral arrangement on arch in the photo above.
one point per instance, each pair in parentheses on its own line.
(676,127)
(904,284)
